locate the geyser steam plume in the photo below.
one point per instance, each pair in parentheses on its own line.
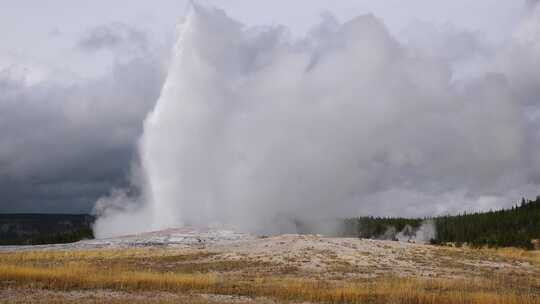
(255,128)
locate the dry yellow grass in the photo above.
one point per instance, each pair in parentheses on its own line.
(100,270)
(82,276)
(107,254)
(532,256)
(512,253)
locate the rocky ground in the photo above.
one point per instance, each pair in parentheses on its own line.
(248,257)
(312,253)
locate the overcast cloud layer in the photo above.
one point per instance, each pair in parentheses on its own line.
(254,126)
(65,142)
(371,117)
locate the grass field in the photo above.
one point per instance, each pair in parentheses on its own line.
(198,276)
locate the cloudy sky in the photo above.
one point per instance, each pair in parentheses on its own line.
(78,79)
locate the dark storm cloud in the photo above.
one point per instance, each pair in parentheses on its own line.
(63,145)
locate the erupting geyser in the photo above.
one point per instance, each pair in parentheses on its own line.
(255,128)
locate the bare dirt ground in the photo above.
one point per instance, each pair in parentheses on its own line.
(312,253)
(249,258)
(21,295)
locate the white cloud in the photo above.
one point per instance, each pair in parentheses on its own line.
(253,126)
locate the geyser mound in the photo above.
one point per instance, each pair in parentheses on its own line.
(254,129)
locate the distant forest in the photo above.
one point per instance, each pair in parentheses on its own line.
(37,229)
(518,226)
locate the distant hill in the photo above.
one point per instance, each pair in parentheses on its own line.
(34,229)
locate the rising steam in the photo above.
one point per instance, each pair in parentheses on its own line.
(255,128)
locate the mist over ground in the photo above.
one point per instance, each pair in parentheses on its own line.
(255,127)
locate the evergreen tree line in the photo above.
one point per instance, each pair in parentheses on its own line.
(48,238)
(518,226)
(36,229)
(377,227)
